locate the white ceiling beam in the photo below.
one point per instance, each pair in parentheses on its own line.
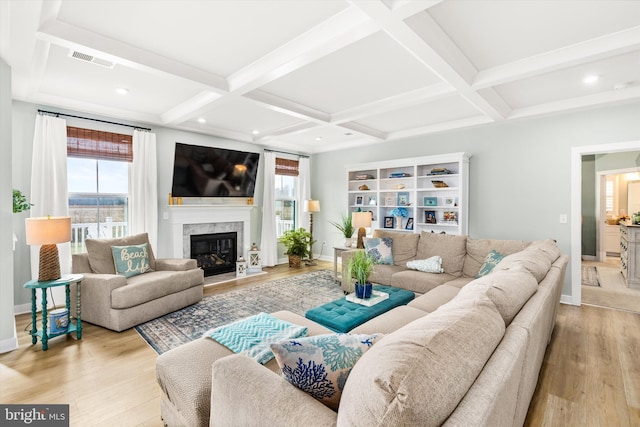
(587,101)
(430,58)
(214,130)
(48,12)
(591,50)
(286,130)
(439,127)
(364,130)
(402,9)
(285,106)
(190,108)
(72,37)
(340,30)
(396,102)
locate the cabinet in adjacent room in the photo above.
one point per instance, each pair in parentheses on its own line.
(433,189)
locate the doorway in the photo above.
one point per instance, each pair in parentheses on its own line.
(612,291)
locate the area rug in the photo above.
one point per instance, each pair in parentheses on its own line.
(296,294)
(590,275)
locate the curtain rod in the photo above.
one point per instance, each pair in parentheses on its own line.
(285,152)
(95,120)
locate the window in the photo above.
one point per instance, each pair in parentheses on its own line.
(98,182)
(609,195)
(285,195)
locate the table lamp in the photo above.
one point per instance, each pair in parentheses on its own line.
(361,220)
(48,232)
(311,206)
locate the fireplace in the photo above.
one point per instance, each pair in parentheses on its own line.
(215,253)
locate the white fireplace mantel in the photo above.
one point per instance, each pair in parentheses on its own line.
(179,215)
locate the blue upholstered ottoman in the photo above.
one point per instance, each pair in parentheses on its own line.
(342,315)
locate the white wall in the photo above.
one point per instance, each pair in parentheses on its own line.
(519,171)
(8,339)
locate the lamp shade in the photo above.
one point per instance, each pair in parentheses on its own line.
(361,219)
(48,230)
(312,205)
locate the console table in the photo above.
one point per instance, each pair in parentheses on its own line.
(45,333)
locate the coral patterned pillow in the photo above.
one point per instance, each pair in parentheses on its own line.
(320,365)
(379,248)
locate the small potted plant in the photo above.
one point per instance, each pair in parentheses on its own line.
(345,226)
(20,203)
(360,266)
(297,243)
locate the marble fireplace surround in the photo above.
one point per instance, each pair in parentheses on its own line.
(203,219)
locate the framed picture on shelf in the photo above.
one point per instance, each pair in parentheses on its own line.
(390,201)
(403,198)
(430,217)
(450,216)
(388,221)
(409,225)
(372,201)
(430,201)
(449,202)
(359,200)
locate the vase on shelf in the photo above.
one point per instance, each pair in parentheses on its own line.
(398,223)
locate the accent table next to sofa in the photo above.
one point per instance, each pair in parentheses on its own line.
(342,315)
(45,334)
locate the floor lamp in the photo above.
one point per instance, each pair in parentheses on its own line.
(361,220)
(48,232)
(311,206)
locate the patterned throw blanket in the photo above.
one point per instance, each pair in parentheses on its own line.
(253,335)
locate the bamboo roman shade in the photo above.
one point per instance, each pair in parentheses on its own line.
(286,167)
(98,144)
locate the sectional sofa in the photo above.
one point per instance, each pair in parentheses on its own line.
(467,355)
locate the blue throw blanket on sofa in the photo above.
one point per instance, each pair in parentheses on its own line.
(253,335)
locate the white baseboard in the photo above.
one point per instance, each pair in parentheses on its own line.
(22,308)
(567,299)
(9,344)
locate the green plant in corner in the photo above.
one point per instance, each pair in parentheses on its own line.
(297,243)
(20,203)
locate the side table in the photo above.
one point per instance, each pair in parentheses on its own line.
(337,251)
(45,333)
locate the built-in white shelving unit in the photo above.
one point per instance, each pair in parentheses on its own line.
(433,189)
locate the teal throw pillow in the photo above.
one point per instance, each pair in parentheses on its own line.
(319,365)
(131,260)
(492,259)
(429,265)
(379,249)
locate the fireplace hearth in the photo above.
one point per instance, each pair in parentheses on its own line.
(215,253)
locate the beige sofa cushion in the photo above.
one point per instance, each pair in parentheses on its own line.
(436,297)
(509,290)
(390,321)
(548,247)
(451,248)
(153,285)
(534,260)
(418,374)
(417,281)
(478,249)
(101,257)
(404,244)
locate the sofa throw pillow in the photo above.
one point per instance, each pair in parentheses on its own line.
(131,260)
(379,248)
(492,259)
(319,365)
(429,265)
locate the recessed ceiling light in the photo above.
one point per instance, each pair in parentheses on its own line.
(201,120)
(590,79)
(348,133)
(255,131)
(122,91)
(318,138)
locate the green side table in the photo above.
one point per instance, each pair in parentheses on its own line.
(45,333)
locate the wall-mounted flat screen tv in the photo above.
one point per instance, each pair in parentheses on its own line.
(213,172)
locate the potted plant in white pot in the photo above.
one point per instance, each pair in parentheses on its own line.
(297,243)
(20,204)
(360,266)
(345,226)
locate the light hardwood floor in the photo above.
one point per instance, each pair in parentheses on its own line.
(612,292)
(590,375)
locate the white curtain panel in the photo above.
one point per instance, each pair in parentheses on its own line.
(143,203)
(268,242)
(49,194)
(304,191)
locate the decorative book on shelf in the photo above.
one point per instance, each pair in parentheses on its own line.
(399,175)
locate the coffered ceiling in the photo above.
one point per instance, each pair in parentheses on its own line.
(320,75)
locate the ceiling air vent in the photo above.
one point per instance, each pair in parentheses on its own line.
(90,58)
